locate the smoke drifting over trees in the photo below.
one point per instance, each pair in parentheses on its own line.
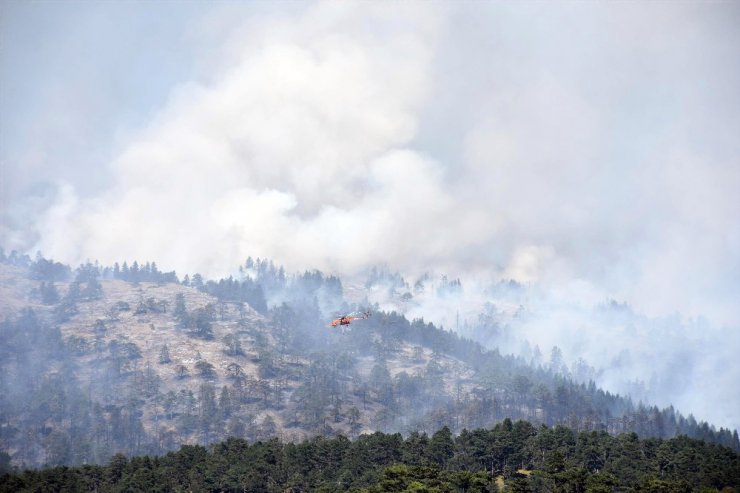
(572,168)
(475,139)
(113,366)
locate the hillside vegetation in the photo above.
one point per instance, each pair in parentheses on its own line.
(128,359)
(516,457)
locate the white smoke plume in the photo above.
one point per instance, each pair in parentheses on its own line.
(586,149)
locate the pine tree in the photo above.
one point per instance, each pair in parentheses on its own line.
(224,403)
(49,293)
(441,447)
(164,355)
(134,273)
(181,312)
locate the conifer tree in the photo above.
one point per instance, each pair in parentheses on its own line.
(164,355)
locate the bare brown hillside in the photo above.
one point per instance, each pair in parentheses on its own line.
(117,340)
(100,366)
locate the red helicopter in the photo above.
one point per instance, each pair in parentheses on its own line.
(348,319)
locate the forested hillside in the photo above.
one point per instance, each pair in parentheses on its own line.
(516,457)
(96,361)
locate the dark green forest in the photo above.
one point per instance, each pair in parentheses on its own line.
(516,457)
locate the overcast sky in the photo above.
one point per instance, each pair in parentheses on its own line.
(590,148)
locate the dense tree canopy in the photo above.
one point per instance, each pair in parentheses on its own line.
(516,456)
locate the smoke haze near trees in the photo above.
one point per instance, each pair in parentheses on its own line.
(588,152)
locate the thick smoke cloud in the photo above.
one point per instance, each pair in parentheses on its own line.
(295,151)
(588,150)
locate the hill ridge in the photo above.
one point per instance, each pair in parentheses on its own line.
(110,366)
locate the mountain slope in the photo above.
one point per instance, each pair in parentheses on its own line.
(100,365)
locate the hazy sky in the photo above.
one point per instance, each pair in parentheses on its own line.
(591,148)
